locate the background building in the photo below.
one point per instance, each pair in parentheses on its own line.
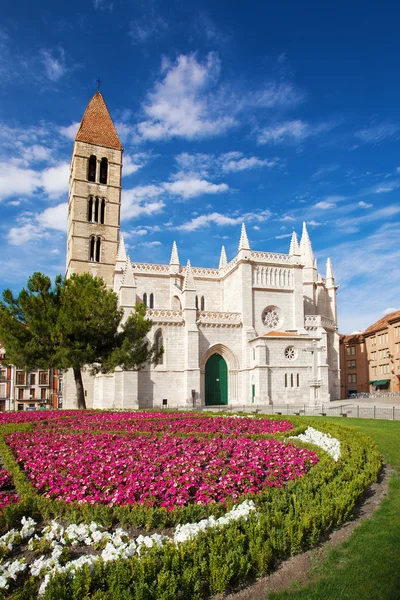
(370,360)
(28,390)
(260,328)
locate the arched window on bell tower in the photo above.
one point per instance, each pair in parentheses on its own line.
(90,209)
(102,211)
(96,210)
(92,168)
(103,170)
(98,244)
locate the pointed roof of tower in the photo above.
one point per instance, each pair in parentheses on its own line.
(329,270)
(306,248)
(244,242)
(294,244)
(128,280)
(188,282)
(97,127)
(223,260)
(174,255)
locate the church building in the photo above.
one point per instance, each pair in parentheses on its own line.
(256,329)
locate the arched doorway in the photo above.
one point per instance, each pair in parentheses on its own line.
(216,381)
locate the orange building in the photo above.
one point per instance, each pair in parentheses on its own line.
(370,360)
(28,390)
(383,349)
(354,378)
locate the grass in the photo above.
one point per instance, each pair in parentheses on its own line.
(367,565)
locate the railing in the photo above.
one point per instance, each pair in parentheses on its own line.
(215,317)
(270,257)
(149,268)
(164,315)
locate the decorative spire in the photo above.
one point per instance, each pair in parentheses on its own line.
(174,255)
(306,248)
(128,279)
(294,244)
(223,261)
(244,242)
(121,254)
(97,127)
(329,272)
(188,282)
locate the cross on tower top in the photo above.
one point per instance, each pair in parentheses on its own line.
(99,82)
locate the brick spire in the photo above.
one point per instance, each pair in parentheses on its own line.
(97,127)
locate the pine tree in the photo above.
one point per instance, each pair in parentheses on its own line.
(73,324)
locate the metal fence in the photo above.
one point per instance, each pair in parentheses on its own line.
(391,413)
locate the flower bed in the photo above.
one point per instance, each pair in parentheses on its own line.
(168,472)
(7,496)
(261,499)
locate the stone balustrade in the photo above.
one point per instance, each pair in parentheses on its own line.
(164,315)
(216,318)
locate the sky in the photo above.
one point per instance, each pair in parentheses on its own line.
(265,113)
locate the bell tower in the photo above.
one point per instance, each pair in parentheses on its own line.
(94,201)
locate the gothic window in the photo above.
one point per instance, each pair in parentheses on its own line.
(271,317)
(96,211)
(159,343)
(291,380)
(298,380)
(285,379)
(92,168)
(98,244)
(151,301)
(102,211)
(94,252)
(202,304)
(90,209)
(197,303)
(92,248)
(145,299)
(103,170)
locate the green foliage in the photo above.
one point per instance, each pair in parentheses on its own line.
(73,324)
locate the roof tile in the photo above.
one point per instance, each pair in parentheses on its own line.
(97,126)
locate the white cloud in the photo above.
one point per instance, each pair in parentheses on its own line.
(54,217)
(70,131)
(325,205)
(180,105)
(134,162)
(16,181)
(313,223)
(55,180)
(103,5)
(148,27)
(383,190)
(190,188)
(236,161)
(223,220)
(141,200)
(287,218)
(363,204)
(32,227)
(378,133)
(256,228)
(284,235)
(389,310)
(54,65)
(291,132)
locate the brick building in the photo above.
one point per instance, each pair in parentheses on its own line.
(28,390)
(370,360)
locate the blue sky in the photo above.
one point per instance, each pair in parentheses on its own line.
(266,113)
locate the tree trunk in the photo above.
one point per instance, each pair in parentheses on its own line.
(80,392)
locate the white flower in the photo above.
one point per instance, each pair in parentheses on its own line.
(325,441)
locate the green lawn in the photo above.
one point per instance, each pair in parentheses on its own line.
(367,565)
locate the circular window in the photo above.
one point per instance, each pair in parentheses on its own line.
(271,317)
(290,353)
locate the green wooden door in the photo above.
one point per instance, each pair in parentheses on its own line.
(216,379)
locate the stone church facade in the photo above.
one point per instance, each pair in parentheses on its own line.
(257,329)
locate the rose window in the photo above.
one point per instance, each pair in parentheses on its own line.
(271,317)
(290,353)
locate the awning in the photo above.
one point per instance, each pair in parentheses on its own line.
(380,382)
